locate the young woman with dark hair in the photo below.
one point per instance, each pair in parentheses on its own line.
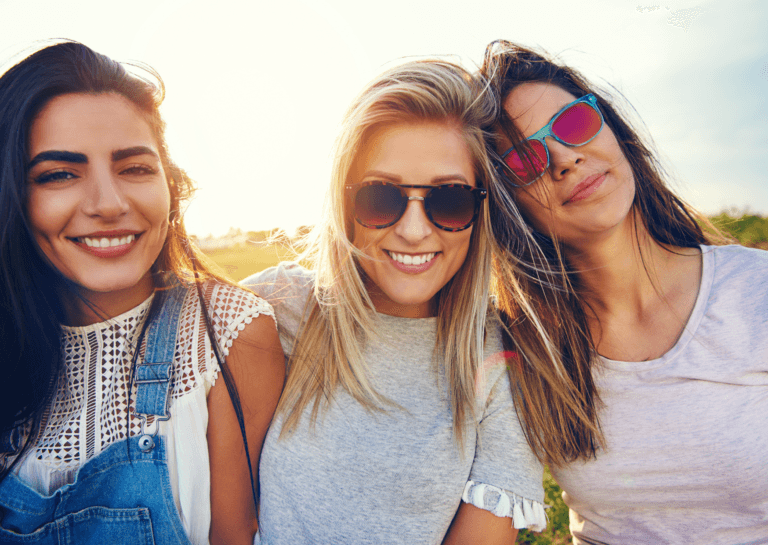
(651,421)
(115,428)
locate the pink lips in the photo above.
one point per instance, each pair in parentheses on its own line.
(412,269)
(110,251)
(586,188)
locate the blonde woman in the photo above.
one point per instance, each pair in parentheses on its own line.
(397,424)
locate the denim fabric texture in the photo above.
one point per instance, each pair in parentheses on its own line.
(123,495)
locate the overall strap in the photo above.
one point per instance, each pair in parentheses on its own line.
(153,375)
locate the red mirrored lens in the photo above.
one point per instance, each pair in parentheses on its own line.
(451,207)
(577,125)
(530,167)
(379,205)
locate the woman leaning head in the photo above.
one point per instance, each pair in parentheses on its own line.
(572,171)
(523,81)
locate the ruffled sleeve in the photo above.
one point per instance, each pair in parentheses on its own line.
(506,477)
(524,513)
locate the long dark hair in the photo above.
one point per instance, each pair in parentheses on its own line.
(558,405)
(31,290)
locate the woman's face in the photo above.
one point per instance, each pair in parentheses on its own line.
(410,261)
(588,190)
(98,197)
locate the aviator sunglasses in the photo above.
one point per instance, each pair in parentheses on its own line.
(450,207)
(574,125)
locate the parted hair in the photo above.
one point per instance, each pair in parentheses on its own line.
(339,319)
(555,394)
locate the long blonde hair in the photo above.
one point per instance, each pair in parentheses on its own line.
(339,319)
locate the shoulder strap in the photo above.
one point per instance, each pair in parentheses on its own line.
(153,374)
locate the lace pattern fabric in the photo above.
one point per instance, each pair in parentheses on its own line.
(93,409)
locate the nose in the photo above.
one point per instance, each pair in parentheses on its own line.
(414,225)
(105,196)
(563,159)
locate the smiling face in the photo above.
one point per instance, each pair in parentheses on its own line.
(588,190)
(408,263)
(98,197)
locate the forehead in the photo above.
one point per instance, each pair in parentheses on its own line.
(83,122)
(414,153)
(532,105)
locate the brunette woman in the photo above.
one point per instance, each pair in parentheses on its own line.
(117,427)
(654,422)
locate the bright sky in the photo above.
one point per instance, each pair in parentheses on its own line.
(256,89)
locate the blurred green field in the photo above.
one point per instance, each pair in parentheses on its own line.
(241,261)
(238,262)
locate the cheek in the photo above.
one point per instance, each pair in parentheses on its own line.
(363,238)
(47,215)
(535,204)
(154,202)
(459,246)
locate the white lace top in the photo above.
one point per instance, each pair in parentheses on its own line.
(90,410)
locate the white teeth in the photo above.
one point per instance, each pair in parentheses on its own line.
(105,242)
(408,259)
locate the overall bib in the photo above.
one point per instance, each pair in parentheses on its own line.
(123,495)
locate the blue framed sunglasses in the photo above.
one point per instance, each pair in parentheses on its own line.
(574,125)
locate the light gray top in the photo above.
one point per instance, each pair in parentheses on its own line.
(687,434)
(395,476)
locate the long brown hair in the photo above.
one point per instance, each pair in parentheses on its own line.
(32,291)
(558,405)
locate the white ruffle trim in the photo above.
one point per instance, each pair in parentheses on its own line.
(523,512)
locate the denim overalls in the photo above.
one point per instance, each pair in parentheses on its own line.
(117,498)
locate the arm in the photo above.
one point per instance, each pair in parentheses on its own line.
(476,526)
(258,368)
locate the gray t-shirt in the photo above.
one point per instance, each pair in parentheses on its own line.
(395,476)
(687,434)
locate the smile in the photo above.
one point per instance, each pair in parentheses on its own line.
(106,242)
(409,259)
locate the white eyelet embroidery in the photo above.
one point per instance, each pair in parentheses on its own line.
(91,410)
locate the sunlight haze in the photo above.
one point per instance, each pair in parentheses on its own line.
(256,90)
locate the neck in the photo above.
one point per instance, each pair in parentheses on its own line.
(640,292)
(625,267)
(89,307)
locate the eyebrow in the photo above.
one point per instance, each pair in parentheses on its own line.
(80,158)
(447,178)
(64,156)
(131,152)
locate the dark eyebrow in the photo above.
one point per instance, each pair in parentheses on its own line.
(130,152)
(53,155)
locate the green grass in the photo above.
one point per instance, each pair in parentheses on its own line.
(241,261)
(748,229)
